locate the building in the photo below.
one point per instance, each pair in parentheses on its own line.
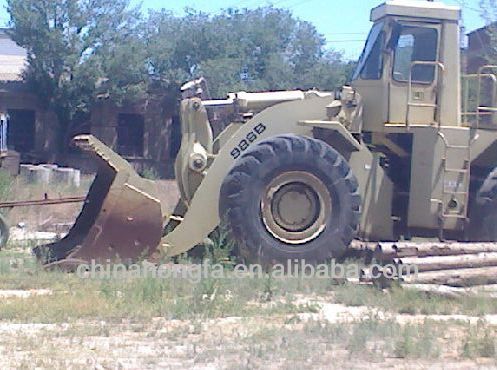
(479,45)
(27,133)
(141,132)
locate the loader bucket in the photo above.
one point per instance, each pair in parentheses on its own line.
(121,219)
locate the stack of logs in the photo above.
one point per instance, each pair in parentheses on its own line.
(452,264)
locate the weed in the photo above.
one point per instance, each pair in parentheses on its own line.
(417,341)
(219,247)
(479,342)
(413,302)
(371,336)
(6,183)
(268,292)
(150,174)
(183,259)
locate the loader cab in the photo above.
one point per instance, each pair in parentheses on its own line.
(408,73)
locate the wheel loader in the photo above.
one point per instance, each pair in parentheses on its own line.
(399,152)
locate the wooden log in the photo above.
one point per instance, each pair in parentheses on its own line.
(439,290)
(453,292)
(389,251)
(376,275)
(491,288)
(365,275)
(359,245)
(438,263)
(457,278)
(451,249)
(360,249)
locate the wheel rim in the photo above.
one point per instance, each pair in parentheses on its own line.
(295,207)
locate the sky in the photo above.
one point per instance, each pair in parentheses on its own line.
(344,23)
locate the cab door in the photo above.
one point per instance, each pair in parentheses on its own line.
(414,42)
(370,80)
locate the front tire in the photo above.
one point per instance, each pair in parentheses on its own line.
(291,197)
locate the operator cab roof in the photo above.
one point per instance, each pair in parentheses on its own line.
(416,9)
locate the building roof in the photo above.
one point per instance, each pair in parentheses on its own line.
(13,59)
(484,29)
(416,8)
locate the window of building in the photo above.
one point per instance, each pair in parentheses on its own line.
(415,44)
(21,130)
(130,134)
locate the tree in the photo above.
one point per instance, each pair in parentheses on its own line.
(78,49)
(489,15)
(259,49)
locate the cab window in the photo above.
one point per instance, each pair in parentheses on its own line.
(373,68)
(415,44)
(370,65)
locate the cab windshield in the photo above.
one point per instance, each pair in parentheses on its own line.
(370,63)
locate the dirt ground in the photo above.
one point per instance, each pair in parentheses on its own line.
(53,320)
(305,340)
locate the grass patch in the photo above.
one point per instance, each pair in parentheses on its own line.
(370,340)
(219,249)
(6,183)
(173,298)
(479,342)
(183,298)
(412,302)
(418,341)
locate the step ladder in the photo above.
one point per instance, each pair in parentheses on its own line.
(454,193)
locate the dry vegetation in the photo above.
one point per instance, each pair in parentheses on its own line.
(232,323)
(56,320)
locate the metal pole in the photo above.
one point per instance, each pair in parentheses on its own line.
(3,132)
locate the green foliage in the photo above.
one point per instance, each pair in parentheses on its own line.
(80,51)
(250,49)
(269,289)
(412,302)
(5,185)
(150,174)
(219,248)
(417,341)
(479,342)
(489,15)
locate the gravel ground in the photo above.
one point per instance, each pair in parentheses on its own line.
(224,343)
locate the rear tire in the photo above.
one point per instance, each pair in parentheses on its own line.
(484,216)
(290,197)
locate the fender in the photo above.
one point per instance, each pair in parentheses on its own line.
(342,134)
(202,216)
